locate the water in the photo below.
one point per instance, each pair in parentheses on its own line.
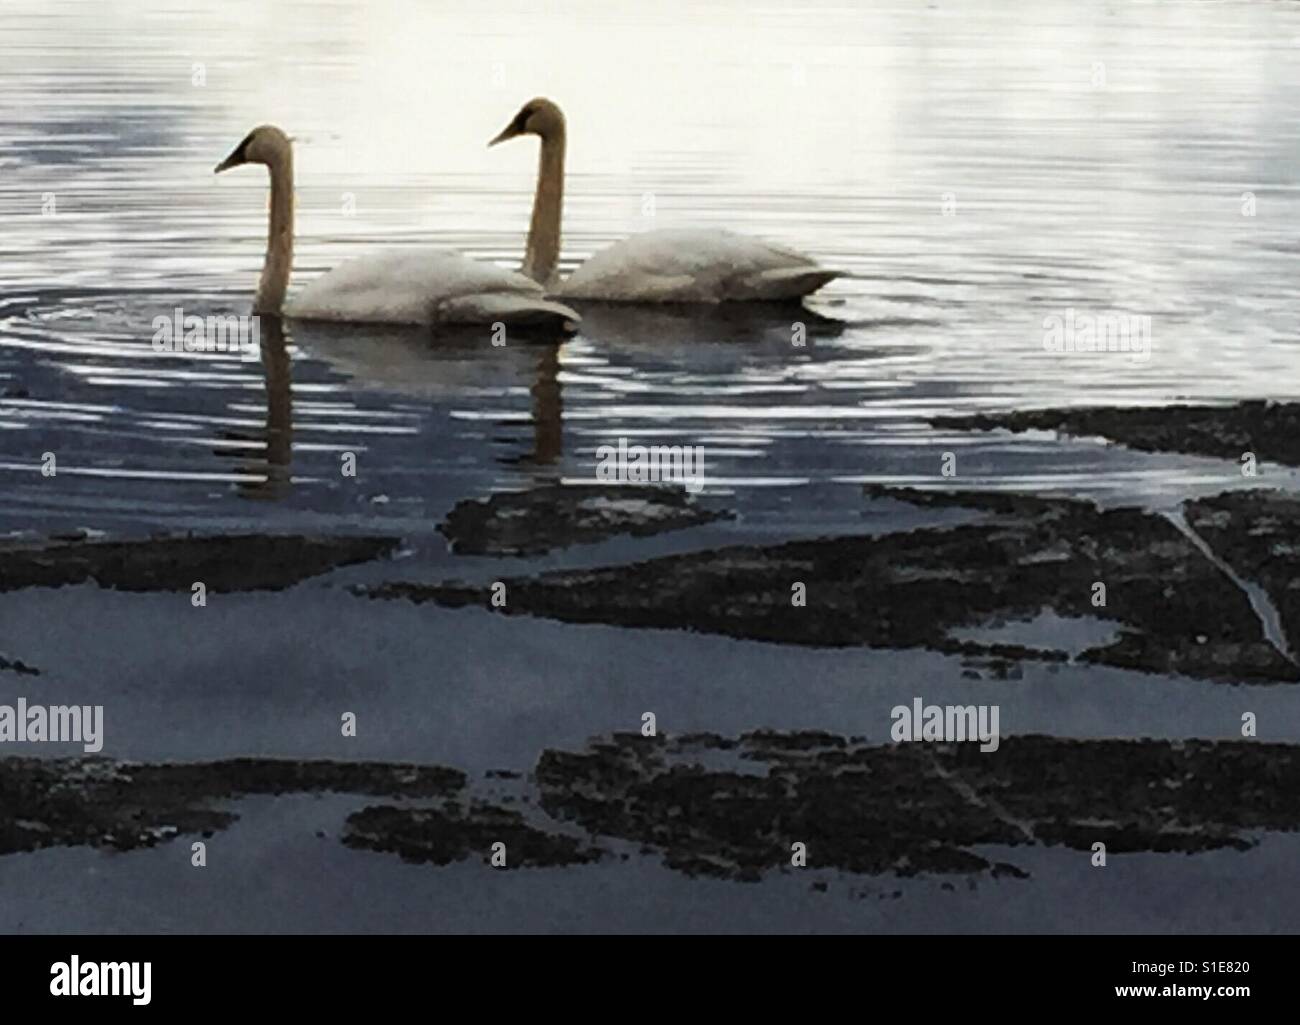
(972,169)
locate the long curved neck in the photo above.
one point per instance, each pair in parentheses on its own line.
(279,241)
(542,254)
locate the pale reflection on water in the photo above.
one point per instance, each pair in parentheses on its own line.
(973,171)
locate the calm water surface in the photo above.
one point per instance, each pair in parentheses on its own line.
(971,171)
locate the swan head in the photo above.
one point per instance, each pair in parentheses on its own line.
(536,117)
(265,144)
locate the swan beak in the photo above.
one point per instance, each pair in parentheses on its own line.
(234,160)
(508,132)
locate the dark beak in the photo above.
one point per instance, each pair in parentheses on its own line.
(234,160)
(508,132)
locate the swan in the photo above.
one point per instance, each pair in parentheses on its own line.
(408,286)
(663,266)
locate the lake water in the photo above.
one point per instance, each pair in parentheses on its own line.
(973,169)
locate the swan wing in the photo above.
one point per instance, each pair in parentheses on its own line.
(781,283)
(505,308)
(694,266)
(408,286)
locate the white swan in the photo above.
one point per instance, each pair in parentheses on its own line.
(669,265)
(408,286)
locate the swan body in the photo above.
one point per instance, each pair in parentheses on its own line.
(429,286)
(425,286)
(694,266)
(667,266)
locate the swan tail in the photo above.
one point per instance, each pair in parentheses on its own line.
(513,310)
(783,283)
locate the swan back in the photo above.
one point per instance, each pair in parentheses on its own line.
(424,286)
(694,265)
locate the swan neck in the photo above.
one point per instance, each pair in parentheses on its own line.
(279,242)
(542,255)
